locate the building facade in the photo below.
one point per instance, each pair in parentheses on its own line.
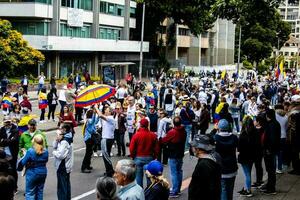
(212,48)
(77,35)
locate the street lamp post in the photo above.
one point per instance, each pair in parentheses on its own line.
(142,41)
(239,53)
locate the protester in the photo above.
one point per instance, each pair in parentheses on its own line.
(41,79)
(35,160)
(64,158)
(43,103)
(187,116)
(120,130)
(271,147)
(204,119)
(246,157)
(106,189)
(164,125)
(158,187)
(9,140)
(175,139)
(67,117)
(226,146)
(125,174)
(62,98)
(26,138)
(206,178)
(108,130)
(52,102)
(89,128)
(143,148)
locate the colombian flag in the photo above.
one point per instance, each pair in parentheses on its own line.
(23,124)
(279,72)
(43,103)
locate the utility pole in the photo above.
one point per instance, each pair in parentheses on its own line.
(239,53)
(142,41)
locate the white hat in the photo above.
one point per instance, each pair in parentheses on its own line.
(295,98)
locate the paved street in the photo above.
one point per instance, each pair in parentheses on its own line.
(83,184)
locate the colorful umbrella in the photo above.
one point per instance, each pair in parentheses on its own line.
(94,94)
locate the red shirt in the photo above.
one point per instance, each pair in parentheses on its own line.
(144,143)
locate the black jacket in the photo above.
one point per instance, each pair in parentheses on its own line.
(226,146)
(156,191)
(271,142)
(246,147)
(206,181)
(50,98)
(12,141)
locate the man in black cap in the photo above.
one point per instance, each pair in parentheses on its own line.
(206,178)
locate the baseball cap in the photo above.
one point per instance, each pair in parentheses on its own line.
(202,142)
(155,168)
(223,125)
(32,122)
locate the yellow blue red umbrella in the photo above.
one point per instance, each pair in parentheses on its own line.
(94,94)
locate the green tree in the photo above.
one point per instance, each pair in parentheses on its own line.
(16,56)
(262,26)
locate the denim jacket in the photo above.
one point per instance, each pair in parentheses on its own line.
(90,127)
(35,164)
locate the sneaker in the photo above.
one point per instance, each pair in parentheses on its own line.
(279,171)
(246,193)
(173,195)
(100,155)
(241,191)
(256,184)
(95,154)
(269,192)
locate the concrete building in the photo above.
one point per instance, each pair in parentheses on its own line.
(213,48)
(78,35)
(290,12)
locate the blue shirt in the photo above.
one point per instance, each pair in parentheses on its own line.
(90,127)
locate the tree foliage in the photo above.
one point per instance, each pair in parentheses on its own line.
(15,53)
(262,26)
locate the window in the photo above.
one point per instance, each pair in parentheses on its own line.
(132,12)
(292,53)
(82,32)
(120,10)
(81,4)
(31,27)
(109,33)
(103,7)
(111,9)
(286,53)
(183,31)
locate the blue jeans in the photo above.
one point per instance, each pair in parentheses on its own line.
(63,184)
(34,186)
(176,174)
(237,124)
(140,163)
(188,131)
(227,185)
(40,87)
(247,173)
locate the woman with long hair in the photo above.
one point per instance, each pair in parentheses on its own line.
(67,117)
(247,141)
(35,161)
(52,102)
(158,186)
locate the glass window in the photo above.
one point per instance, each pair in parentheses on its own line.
(111,8)
(132,12)
(103,7)
(120,10)
(86,4)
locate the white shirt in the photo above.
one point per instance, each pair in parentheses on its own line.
(25,82)
(252,109)
(62,96)
(130,118)
(202,97)
(121,92)
(108,127)
(42,79)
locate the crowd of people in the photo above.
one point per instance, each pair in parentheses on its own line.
(221,120)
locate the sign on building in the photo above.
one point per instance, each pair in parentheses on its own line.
(75,17)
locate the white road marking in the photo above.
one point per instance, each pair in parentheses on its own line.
(84,195)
